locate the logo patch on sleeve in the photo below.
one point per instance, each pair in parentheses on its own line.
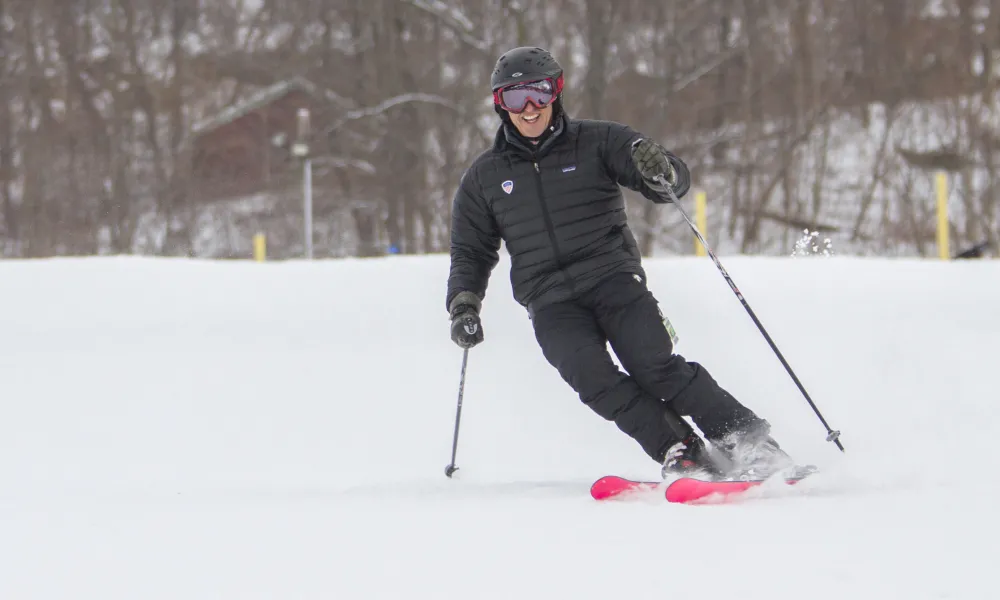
(508,186)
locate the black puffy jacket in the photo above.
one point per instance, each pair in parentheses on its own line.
(558,208)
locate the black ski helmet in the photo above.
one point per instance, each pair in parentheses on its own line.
(524,64)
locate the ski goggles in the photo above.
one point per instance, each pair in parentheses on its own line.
(515,98)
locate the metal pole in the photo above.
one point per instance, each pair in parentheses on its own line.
(941,183)
(301,150)
(451,468)
(307,193)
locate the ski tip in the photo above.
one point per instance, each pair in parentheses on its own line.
(613,486)
(687,491)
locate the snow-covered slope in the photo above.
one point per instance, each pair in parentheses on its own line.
(192,430)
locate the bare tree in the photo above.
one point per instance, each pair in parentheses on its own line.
(815,114)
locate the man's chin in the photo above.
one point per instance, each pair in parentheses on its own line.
(532,132)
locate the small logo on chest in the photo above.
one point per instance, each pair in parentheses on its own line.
(508,186)
(569,168)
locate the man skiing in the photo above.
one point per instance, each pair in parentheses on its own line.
(549,187)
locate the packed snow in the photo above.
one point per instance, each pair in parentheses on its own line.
(182,430)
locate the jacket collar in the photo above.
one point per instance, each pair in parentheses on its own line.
(508,140)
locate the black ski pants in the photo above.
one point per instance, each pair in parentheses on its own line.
(621,310)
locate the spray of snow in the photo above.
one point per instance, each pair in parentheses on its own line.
(809,245)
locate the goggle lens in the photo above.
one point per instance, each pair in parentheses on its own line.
(515,98)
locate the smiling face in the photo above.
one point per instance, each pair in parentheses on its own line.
(532,122)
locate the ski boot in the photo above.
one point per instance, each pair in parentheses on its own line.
(690,457)
(754,454)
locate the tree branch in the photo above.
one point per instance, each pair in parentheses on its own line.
(455,20)
(360,113)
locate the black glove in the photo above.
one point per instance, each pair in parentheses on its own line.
(466,328)
(651,160)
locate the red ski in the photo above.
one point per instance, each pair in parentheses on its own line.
(686,490)
(612,486)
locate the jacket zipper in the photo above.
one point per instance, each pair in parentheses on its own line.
(548,218)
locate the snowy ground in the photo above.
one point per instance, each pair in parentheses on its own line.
(191,430)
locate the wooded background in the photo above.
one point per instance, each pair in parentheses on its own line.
(826,115)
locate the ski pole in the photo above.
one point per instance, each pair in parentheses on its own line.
(451,468)
(832,435)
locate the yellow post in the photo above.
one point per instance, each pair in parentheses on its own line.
(701,220)
(942,216)
(259,247)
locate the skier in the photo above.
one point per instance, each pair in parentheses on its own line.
(549,188)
